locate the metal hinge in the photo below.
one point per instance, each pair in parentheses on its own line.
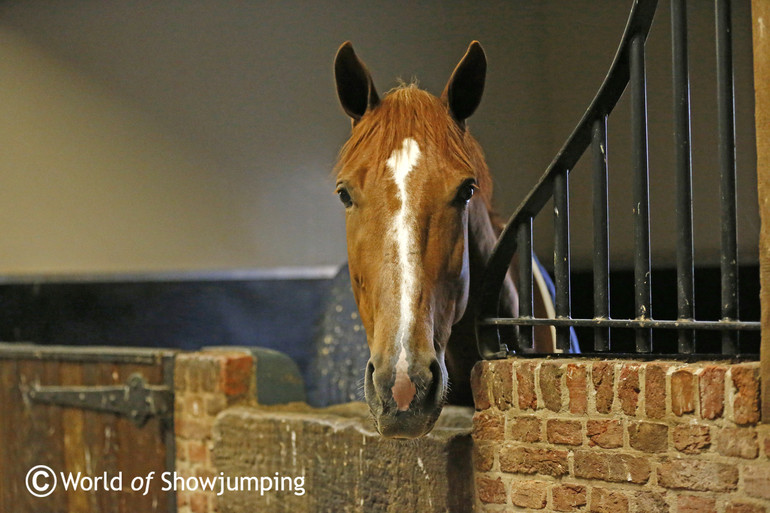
(135,400)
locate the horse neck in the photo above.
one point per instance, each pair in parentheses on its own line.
(483,231)
(461,350)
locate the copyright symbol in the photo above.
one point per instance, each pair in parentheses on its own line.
(41,481)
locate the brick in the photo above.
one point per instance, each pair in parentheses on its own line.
(199,502)
(235,374)
(215,403)
(737,442)
(746,399)
(696,504)
(628,388)
(181,450)
(491,491)
(744,507)
(608,501)
(188,364)
(180,374)
(182,499)
(484,456)
(603,376)
(525,379)
(209,372)
(488,425)
(526,460)
(192,370)
(525,429)
(479,385)
(193,405)
(648,436)
(206,473)
(550,385)
(650,502)
(655,390)
(691,438)
(712,392)
(197,451)
(529,494)
(613,467)
(567,432)
(569,497)
(577,383)
(682,392)
(697,475)
(756,481)
(179,403)
(501,384)
(193,429)
(607,434)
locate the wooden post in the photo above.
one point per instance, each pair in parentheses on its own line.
(760,14)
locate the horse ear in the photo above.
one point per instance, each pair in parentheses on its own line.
(462,93)
(354,83)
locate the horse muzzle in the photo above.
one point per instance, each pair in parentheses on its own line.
(405,404)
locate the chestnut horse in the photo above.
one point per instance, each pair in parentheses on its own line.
(420,228)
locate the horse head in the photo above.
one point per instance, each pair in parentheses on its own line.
(410,177)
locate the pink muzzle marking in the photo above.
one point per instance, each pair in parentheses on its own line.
(403,391)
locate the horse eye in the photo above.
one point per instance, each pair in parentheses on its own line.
(465,192)
(345,197)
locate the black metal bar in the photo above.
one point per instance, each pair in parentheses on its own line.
(526,307)
(641,192)
(626,323)
(639,22)
(685,284)
(684,358)
(726,123)
(601,233)
(561,256)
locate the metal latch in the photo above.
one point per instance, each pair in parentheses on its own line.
(135,400)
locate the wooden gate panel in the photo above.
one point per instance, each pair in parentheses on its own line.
(72,440)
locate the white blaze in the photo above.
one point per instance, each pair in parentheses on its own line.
(400,164)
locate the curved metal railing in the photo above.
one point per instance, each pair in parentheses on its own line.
(628,67)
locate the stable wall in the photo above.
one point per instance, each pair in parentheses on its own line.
(153,136)
(619,436)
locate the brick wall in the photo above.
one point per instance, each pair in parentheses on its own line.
(345,464)
(205,383)
(619,436)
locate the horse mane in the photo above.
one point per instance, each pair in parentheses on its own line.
(408,111)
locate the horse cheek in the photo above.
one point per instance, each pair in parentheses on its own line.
(359,274)
(456,269)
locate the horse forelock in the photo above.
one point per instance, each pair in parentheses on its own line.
(410,112)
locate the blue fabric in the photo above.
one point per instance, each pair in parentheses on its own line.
(574,347)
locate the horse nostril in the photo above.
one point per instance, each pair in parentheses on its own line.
(435,393)
(369,378)
(369,391)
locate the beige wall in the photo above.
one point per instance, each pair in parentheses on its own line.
(200,135)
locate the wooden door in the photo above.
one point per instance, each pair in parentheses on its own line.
(70,439)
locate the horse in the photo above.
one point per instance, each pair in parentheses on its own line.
(420,227)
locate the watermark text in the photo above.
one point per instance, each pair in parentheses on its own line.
(41,481)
